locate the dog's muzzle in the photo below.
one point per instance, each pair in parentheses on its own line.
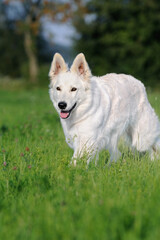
(66,114)
(62,105)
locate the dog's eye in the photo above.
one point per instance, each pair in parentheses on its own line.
(73,89)
(58,88)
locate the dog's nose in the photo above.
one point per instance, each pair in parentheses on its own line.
(62,105)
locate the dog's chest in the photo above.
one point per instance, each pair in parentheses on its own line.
(83,132)
(71,135)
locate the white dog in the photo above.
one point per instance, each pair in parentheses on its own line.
(96,111)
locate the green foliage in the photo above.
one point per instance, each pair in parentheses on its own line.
(43,197)
(12,53)
(43,79)
(22,44)
(42,73)
(122,36)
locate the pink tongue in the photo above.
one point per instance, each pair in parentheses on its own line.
(64,114)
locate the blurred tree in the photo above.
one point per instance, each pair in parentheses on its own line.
(121,36)
(11,56)
(27,17)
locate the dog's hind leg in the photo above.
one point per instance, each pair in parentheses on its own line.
(146,130)
(115,154)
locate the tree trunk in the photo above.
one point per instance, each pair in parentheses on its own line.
(32,60)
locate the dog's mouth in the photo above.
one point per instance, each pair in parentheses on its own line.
(66,114)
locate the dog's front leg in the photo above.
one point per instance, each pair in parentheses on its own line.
(89,153)
(74,161)
(77,154)
(84,147)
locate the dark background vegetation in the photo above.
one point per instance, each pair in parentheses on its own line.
(115,36)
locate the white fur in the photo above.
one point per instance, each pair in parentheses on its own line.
(107,108)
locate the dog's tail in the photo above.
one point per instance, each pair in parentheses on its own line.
(156,148)
(158,144)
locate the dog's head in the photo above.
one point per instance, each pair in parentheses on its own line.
(68,87)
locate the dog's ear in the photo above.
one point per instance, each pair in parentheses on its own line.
(80,66)
(58,65)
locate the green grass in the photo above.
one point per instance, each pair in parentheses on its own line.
(42,197)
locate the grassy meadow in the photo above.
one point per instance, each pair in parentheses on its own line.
(42,197)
